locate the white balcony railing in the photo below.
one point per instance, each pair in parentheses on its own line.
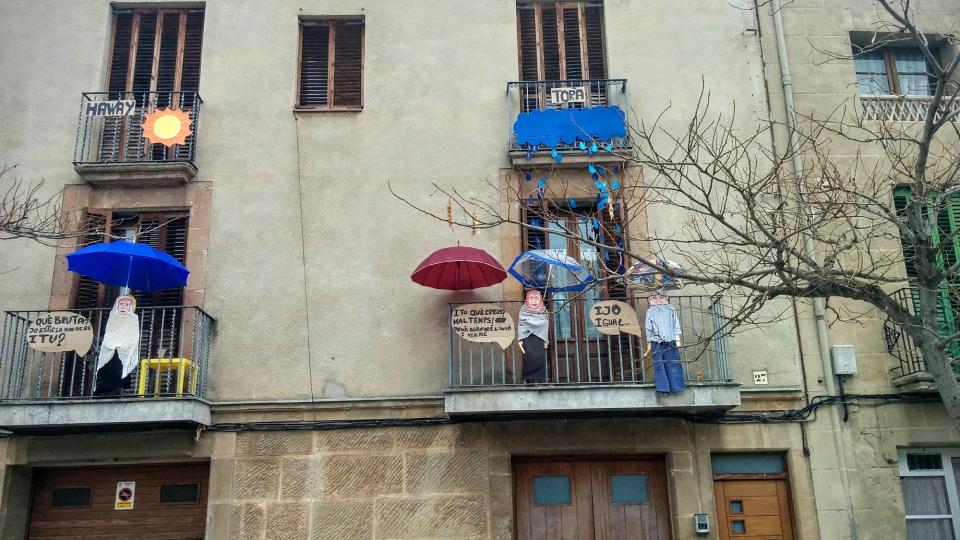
(901,108)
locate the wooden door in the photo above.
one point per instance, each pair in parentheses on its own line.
(169,502)
(554,501)
(629,500)
(753,509)
(591,498)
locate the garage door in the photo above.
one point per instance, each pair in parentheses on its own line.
(149,502)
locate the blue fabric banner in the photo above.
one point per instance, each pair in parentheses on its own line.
(552,127)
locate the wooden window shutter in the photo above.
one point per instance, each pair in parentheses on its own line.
(560,40)
(192,45)
(120,58)
(314,65)
(527,43)
(88,293)
(348,65)
(550,43)
(572,61)
(331,65)
(593,27)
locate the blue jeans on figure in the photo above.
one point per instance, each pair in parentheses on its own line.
(667,369)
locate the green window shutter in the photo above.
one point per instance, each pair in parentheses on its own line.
(947,227)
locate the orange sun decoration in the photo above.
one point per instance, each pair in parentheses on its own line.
(167,127)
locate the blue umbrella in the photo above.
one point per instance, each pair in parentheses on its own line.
(128,264)
(550,270)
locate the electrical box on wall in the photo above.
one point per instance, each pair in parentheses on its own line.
(701,523)
(844,360)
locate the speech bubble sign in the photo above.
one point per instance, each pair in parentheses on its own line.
(612,317)
(484,323)
(59,331)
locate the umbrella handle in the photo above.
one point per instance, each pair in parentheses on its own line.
(126,287)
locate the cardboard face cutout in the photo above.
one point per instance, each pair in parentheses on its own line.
(125,305)
(534,302)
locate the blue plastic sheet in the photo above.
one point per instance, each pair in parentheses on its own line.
(552,127)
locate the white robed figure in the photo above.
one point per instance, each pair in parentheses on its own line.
(122,336)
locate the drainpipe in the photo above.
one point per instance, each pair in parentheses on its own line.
(809,250)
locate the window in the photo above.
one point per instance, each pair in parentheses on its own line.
(930,498)
(900,71)
(331,65)
(74,496)
(155,61)
(551,490)
(945,236)
(561,40)
(166,231)
(747,464)
(178,493)
(570,319)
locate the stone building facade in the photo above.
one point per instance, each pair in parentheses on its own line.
(329,399)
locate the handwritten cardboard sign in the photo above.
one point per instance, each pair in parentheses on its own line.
(59,331)
(484,323)
(612,317)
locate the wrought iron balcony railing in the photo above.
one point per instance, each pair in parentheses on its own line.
(110,130)
(901,346)
(526,96)
(901,108)
(578,354)
(174,357)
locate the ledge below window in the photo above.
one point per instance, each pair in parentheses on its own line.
(138,174)
(343,109)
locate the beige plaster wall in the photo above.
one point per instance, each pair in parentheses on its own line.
(309,254)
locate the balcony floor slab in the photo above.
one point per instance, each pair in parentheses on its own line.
(20,416)
(137,174)
(505,400)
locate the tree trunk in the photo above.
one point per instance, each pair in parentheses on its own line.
(935,357)
(938,364)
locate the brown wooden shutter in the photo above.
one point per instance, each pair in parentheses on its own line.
(527,42)
(348,64)
(89,293)
(593,27)
(192,45)
(573,63)
(120,58)
(550,43)
(314,65)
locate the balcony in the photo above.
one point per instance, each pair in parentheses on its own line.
(884,108)
(597,115)
(911,374)
(590,373)
(110,148)
(54,390)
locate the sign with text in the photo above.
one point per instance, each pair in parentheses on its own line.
(484,323)
(121,107)
(126,491)
(613,317)
(59,331)
(568,94)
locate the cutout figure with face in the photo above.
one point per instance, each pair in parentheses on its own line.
(533,335)
(121,339)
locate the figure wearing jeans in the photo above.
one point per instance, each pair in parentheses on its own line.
(663,341)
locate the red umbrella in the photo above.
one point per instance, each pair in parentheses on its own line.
(459,268)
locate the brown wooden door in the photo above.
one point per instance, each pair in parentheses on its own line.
(169,502)
(753,509)
(591,499)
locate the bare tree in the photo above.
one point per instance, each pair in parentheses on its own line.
(25,212)
(759,223)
